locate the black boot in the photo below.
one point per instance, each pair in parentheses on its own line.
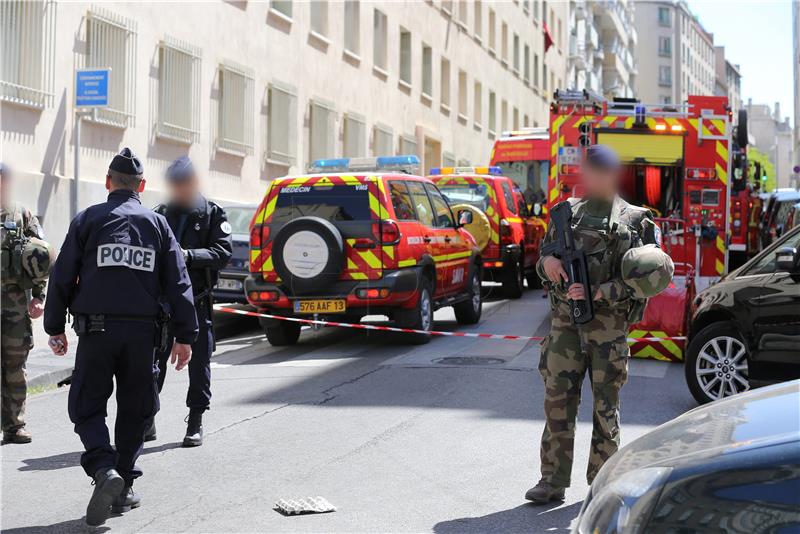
(126,501)
(150,430)
(107,486)
(194,429)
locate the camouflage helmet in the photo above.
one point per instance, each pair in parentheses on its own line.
(38,257)
(647,271)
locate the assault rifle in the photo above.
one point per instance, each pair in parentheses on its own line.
(574,261)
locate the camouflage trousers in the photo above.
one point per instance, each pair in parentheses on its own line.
(16,340)
(563,366)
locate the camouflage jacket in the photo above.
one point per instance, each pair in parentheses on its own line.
(605,232)
(28,226)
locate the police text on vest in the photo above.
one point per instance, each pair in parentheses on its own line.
(120,255)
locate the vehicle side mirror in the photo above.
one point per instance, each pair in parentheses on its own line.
(787,259)
(537,209)
(464,217)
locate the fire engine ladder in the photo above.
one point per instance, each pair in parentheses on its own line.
(583,97)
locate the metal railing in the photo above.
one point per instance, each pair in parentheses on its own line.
(236,117)
(179,91)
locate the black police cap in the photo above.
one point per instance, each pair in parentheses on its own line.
(602,157)
(126,162)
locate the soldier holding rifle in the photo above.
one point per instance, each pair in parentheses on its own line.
(601,260)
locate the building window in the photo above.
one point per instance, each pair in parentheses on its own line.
(405,56)
(663,17)
(665,46)
(235,114)
(535,9)
(526,121)
(448,159)
(282,7)
(427,70)
(492,30)
(536,70)
(445,82)
(515,119)
(408,145)
(492,114)
(355,136)
(477,104)
(319,17)
(282,125)
(504,43)
(352,27)
(111,43)
(462,94)
(516,53)
(27,30)
(544,76)
(478,18)
(504,115)
(462,12)
(379,33)
(665,76)
(322,131)
(179,91)
(526,65)
(666,99)
(382,140)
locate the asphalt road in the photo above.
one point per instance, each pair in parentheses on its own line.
(400,438)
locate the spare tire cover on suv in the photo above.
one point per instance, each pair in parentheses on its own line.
(308,254)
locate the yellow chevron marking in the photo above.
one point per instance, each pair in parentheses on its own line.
(371,259)
(721,244)
(357,276)
(630,120)
(268,264)
(254,255)
(514,219)
(374,205)
(351,265)
(722,174)
(557,123)
(648,351)
(407,263)
(719,124)
(350,180)
(299,181)
(389,251)
(706,131)
(720,266)
(553,194)
(722,150)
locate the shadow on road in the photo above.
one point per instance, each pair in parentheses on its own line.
(72,459)
(64,527)
(524,518)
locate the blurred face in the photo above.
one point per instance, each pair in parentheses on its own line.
(184,192)
(600,183)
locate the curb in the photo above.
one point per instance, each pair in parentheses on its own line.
(49,378)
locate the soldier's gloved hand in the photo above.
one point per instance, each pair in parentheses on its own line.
(35,308)
(58,344)
(554,270)
(181,353)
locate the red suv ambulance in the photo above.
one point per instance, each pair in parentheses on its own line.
(361,237)
(507,234)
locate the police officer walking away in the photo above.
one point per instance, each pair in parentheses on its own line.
(26,260)
(204,234)
(118,261)
(625,267)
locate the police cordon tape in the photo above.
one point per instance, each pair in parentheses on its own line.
(365,326)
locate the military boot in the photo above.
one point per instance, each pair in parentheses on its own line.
(194,428)
(126,501)
(150,430)
(544,492)
(18,435)
(107,486)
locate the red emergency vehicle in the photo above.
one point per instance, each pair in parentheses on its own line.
(524,156)
(676,162)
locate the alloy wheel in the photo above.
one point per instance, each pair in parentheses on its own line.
(721,367)
(476,292)
(425,310)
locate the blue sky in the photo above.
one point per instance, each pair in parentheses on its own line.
(756,34)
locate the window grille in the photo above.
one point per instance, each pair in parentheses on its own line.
(445,82)
(380,31)
(319,16)
(322,130)
(477,104)
(235,112)
(282,125)
(284,7)
(27,36)
(383,142)
(355,136)
(408,145)
(427,70)
(448,159)
(179,91)
(405,56)
(462,93)
(352,26)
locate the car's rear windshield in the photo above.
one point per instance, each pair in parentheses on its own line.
(239,219)
(332,202)
(476,195)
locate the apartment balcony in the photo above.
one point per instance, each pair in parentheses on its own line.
(615,68)
(613,17)
(592,38)
(577,52)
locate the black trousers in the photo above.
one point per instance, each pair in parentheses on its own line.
(199,394)
(123,353)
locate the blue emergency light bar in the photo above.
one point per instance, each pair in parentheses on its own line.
(493,170)
(409,164)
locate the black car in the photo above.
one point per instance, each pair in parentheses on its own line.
(230,286)
(745,330)
(732,466)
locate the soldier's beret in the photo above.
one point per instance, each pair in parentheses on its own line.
(602,157)
(180,169)
(126,162)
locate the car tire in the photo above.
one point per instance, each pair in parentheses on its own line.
(314,245)
(716,363)
(469,311)
(532,277)
(283,333)
(420,317)
(514,280)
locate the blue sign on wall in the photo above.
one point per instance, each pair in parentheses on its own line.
(91,88)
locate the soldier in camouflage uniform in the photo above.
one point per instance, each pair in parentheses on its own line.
(605,228)
(25,263)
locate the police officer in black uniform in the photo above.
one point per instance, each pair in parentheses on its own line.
(119,261)
(203,232)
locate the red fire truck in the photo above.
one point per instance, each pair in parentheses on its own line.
(676,162)
(524,156)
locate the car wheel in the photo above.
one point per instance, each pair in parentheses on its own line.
(717,363)
(420,317)
(283,333)
(469,311)
(532,277)
(514,280)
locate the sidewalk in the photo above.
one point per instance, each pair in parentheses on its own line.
(44,368)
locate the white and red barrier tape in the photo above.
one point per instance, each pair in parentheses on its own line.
(366,326)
